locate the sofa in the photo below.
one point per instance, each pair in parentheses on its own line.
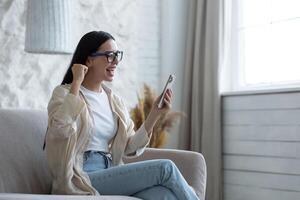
(23,170)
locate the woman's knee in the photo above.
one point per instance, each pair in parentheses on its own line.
(167,163)
(168,166)
(162,162)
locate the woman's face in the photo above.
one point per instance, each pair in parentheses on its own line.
(101,68)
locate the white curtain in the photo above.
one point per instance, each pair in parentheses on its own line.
(201,93)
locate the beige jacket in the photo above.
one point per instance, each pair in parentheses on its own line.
(70,126)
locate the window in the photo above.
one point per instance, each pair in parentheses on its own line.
(264,49)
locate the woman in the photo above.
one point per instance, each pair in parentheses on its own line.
(90,131)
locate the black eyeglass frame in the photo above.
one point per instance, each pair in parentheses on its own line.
(109,55)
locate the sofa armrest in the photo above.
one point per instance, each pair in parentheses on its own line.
(191,164)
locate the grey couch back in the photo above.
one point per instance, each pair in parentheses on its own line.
(23,167)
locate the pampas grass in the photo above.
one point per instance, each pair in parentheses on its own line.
(164,124)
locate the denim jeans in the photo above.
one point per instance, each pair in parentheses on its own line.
(152,179)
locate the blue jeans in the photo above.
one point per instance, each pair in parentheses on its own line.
(152,179)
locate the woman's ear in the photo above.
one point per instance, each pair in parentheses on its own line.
(89,62)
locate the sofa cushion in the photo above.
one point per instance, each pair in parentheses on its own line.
(23,166)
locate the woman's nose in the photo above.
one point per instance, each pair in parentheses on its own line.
(115,62)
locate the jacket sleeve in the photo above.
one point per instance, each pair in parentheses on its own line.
(137,140)
(63,111)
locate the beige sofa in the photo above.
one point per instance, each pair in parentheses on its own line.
(23,170)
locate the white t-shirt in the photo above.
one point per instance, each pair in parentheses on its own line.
(105,121)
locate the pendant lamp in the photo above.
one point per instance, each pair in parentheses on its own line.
(49,27)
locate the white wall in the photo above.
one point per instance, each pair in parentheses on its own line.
(149,42)
(173,44)
(27,80)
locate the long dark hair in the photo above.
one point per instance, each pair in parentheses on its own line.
(87,45)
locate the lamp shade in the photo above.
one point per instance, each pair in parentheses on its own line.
(49,27)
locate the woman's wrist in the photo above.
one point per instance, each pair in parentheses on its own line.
(151,120)
(75,85)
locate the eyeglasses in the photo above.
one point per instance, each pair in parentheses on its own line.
(111,56)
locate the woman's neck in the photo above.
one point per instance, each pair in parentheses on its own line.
(93,86)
